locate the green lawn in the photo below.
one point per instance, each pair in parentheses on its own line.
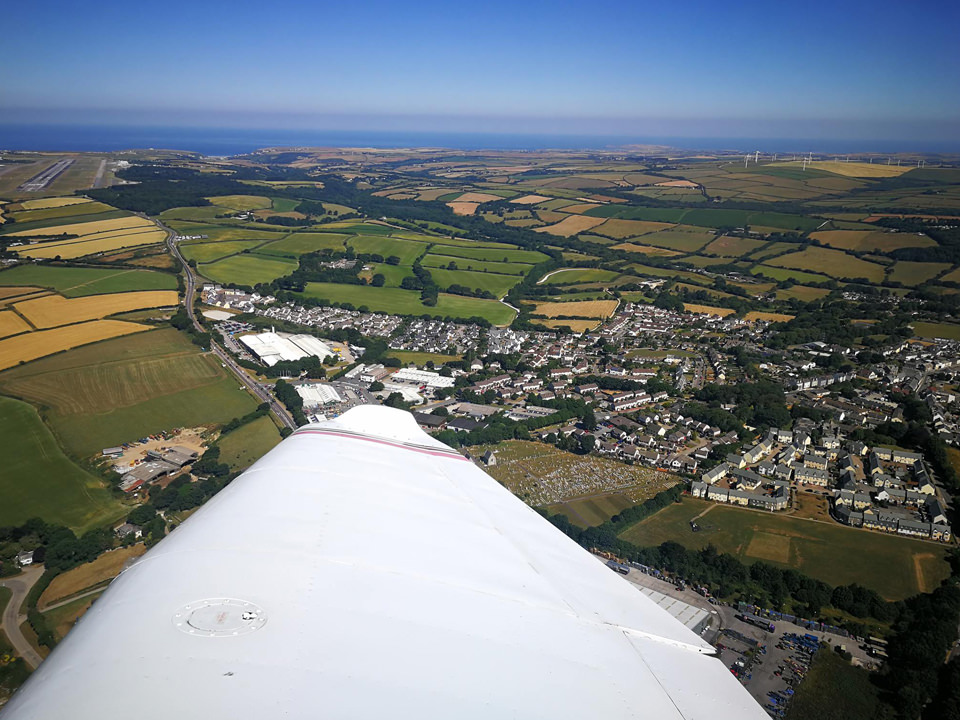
(75,282)
(38,480)
(407,302)
(119,390)
(245,445)
(247,269)
(895,567)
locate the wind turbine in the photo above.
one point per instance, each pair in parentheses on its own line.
(756,158)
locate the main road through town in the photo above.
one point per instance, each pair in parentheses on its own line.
(226,360)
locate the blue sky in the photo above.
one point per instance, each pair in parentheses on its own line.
(763,69)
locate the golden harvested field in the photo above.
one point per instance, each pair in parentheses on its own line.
(853,169)
(580,208)
(431,193)
(10,300)
(24,348)
(478,197)
(708,310)
(646,249)
(914,273)
(678,184)
(575,325)
(106,567)
(571,225)
(87,228)
(13,291)
(631,228)
(94,244)
(728,246)
(834,263)
(529,199)
(463,208)
(44,203)
(767,316)
(953,276)
(871,240)
(578,308)
(55,310)
(11,324)
(241,202)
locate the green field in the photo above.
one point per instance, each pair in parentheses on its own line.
(194,214)
(834,263)
(74,211)
(912,274)
(247,444)
(801,293)
(208,252)
(895,567)
(216,233)
(241,202)
(492,282)
(834,690)
(38,480)
(579,275)
(442,261)
(119,390)
(592,511)
(407,302)
(682,240)
(247,269)
(946,331)
(420,358)
(300,243)
(785,274)
(76,282)
(708,217)
(510,255)
(406,250)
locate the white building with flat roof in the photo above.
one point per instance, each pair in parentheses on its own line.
(422,377)
(272,348)
(317,394)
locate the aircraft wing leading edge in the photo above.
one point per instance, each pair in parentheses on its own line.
(362,569)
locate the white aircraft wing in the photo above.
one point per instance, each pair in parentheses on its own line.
(362,569)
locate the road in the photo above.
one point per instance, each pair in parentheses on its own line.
(226,360)
(13,619)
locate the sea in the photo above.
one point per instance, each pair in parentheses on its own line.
(233,141)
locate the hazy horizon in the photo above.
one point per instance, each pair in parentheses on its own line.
(824,71)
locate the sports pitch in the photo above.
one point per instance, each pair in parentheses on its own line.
(895,567)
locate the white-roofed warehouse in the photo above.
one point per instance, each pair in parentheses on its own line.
(272,348)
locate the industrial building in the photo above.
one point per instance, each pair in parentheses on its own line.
(272,348)
(422,377)
(317,394)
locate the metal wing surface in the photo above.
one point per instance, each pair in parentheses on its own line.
(362,569)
